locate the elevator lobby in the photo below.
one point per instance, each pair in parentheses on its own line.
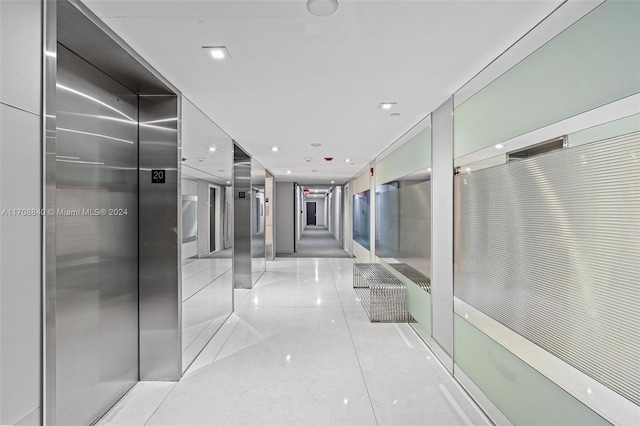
(319,212)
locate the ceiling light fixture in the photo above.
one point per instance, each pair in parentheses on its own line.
(274,149)
(218,52)
(288,172)
(347,160)
(386,105)
(499,146)
(332,182)
(316,145)
(212,148)
(322,7)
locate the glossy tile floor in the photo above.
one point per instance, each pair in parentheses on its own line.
(299,350)
(207,300)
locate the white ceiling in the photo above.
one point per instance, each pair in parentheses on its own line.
(296,79)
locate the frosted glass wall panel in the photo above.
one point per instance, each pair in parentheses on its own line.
(550,247)
(617,127)
(403,224)
(361,221)
(525,396)
(413,155)
(592,63)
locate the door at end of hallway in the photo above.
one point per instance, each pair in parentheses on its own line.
(311,213)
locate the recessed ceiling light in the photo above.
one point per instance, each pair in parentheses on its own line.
(212,148)
(274,149)
(429,169)
(467,169)
(386,105)
(228,182)
(395,114)
(288,172)
(218,52)
(332,182)
(499,146)
(322,7)
(316,145)
(347,160)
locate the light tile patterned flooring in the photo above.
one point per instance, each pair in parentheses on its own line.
(299,350)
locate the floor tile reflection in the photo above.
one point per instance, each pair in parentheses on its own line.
(299,350)
(207,296)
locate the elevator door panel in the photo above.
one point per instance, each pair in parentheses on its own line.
(96,241)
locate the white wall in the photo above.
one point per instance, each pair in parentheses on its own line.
(337,203)
(441,232)
(284,215)
(20,188)
(269,234)
(302,214)
(347,237)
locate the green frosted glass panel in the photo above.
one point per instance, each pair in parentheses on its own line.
(412,156)
(418,301)
(524,396)
(618,127)
(592,63)
(419,305)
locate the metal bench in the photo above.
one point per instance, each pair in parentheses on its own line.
(382,295)
(413,275)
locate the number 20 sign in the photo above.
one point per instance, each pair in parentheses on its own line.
(157,176)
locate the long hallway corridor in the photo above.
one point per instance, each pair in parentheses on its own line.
(317,241)
(300,350)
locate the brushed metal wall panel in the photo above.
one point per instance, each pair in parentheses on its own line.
(550,247)
(160,257)
(241,219)
(258,222)
(96,234)
(49,78)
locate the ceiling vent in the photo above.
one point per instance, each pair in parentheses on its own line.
(538,149)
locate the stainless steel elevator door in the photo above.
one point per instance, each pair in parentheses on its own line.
(97,241)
